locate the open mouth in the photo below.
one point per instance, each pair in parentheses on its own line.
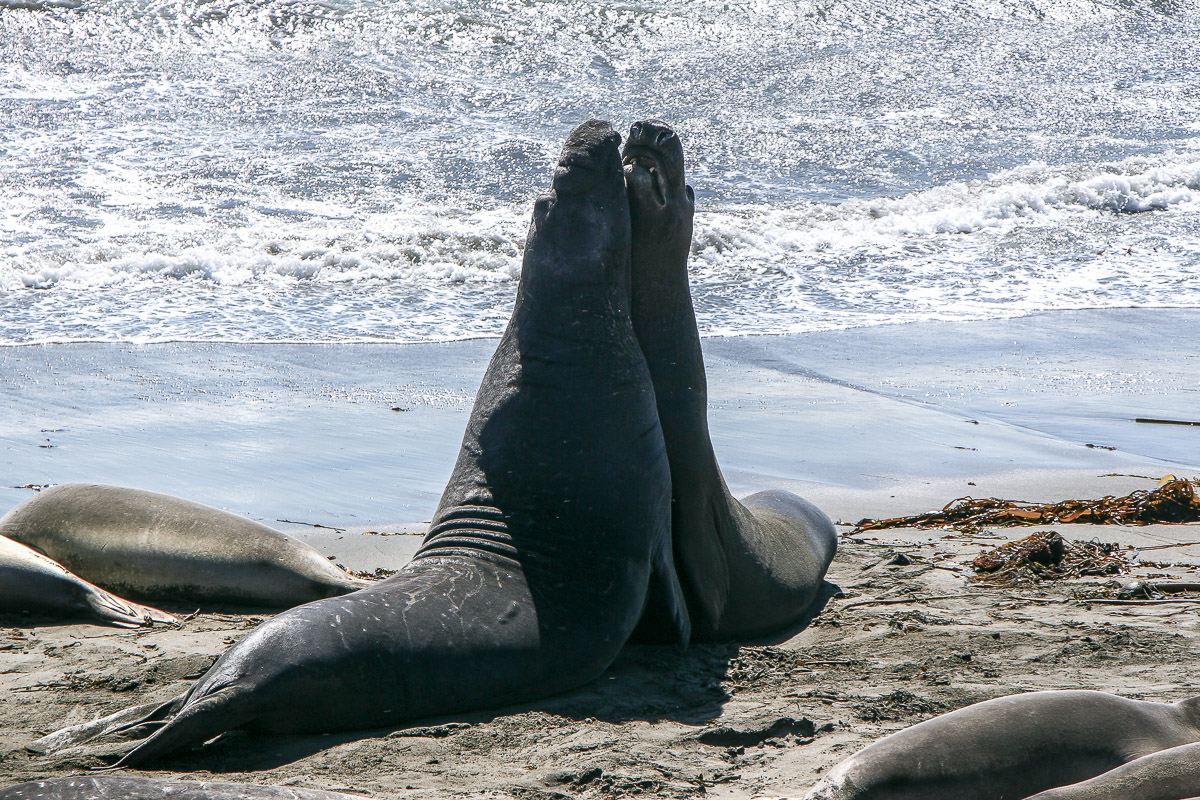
(649,164)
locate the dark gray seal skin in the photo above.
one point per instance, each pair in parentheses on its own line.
(1012,747)
(536,566)
(1172,774)
(31,582)
(112,787)
(748,568)
(153,545)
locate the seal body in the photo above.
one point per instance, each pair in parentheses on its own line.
(1012,747)
(536,566)
(1172,774)
(29,581)
(748,568)
(112,787)
(153,545)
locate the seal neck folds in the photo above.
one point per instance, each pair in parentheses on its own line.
(469,531)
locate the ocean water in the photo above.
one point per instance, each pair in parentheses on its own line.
(343,171)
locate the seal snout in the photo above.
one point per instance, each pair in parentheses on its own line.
(651,132)
(653,162)
(589,157)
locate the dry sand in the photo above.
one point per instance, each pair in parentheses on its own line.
(900,643)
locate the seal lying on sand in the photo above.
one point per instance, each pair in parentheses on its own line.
(537,563)
(1013,747)
(1172,774)
(31,582)
(154,545)
(124,788)
(751,567)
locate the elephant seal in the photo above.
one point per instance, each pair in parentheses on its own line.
(1172,774)
(31,582)
(537,563)
(748,568)
(157,546)
(112,787)
(1012,747)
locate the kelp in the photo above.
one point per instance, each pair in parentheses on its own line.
(1173,501)
(1046,555)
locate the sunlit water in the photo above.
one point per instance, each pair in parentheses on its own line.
(349,170)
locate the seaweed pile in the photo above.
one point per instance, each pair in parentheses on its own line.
(1046,555)
(1174,500)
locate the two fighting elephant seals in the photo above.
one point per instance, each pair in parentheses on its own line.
(554,536)
(536,565)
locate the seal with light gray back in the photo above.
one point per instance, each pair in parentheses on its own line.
(1014,747)
(750,567)
(32,583)
(537,564)
(1172,774)
(153,545)
(114,787)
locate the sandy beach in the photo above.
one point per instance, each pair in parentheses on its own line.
(348,446)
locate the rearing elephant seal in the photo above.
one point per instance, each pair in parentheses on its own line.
(536,566)
(1013,747)
(749,567)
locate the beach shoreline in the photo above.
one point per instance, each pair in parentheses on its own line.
(352,444)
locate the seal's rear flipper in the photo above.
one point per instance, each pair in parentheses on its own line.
(122,612)
(665,616)
(113,723)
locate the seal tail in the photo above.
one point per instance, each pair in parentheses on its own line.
(123,720)
(122,612)
(196,722)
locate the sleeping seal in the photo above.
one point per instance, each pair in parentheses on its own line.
(750,567)
(1172,774)
(537,563)
(31,582)
(153,545)
(114,787)
(1012,747)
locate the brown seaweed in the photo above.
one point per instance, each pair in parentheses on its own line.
(1046,555)
(1173,501)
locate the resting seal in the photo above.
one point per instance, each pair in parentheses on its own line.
(1172,774)
(750,567)
(536,566)
(126,788)
(31,582)
(1012,747)
(153,545)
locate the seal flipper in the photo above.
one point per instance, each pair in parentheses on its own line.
(665,617)
(703,558)
(124,719)
(122,612)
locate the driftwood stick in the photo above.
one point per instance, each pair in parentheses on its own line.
(900,600)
